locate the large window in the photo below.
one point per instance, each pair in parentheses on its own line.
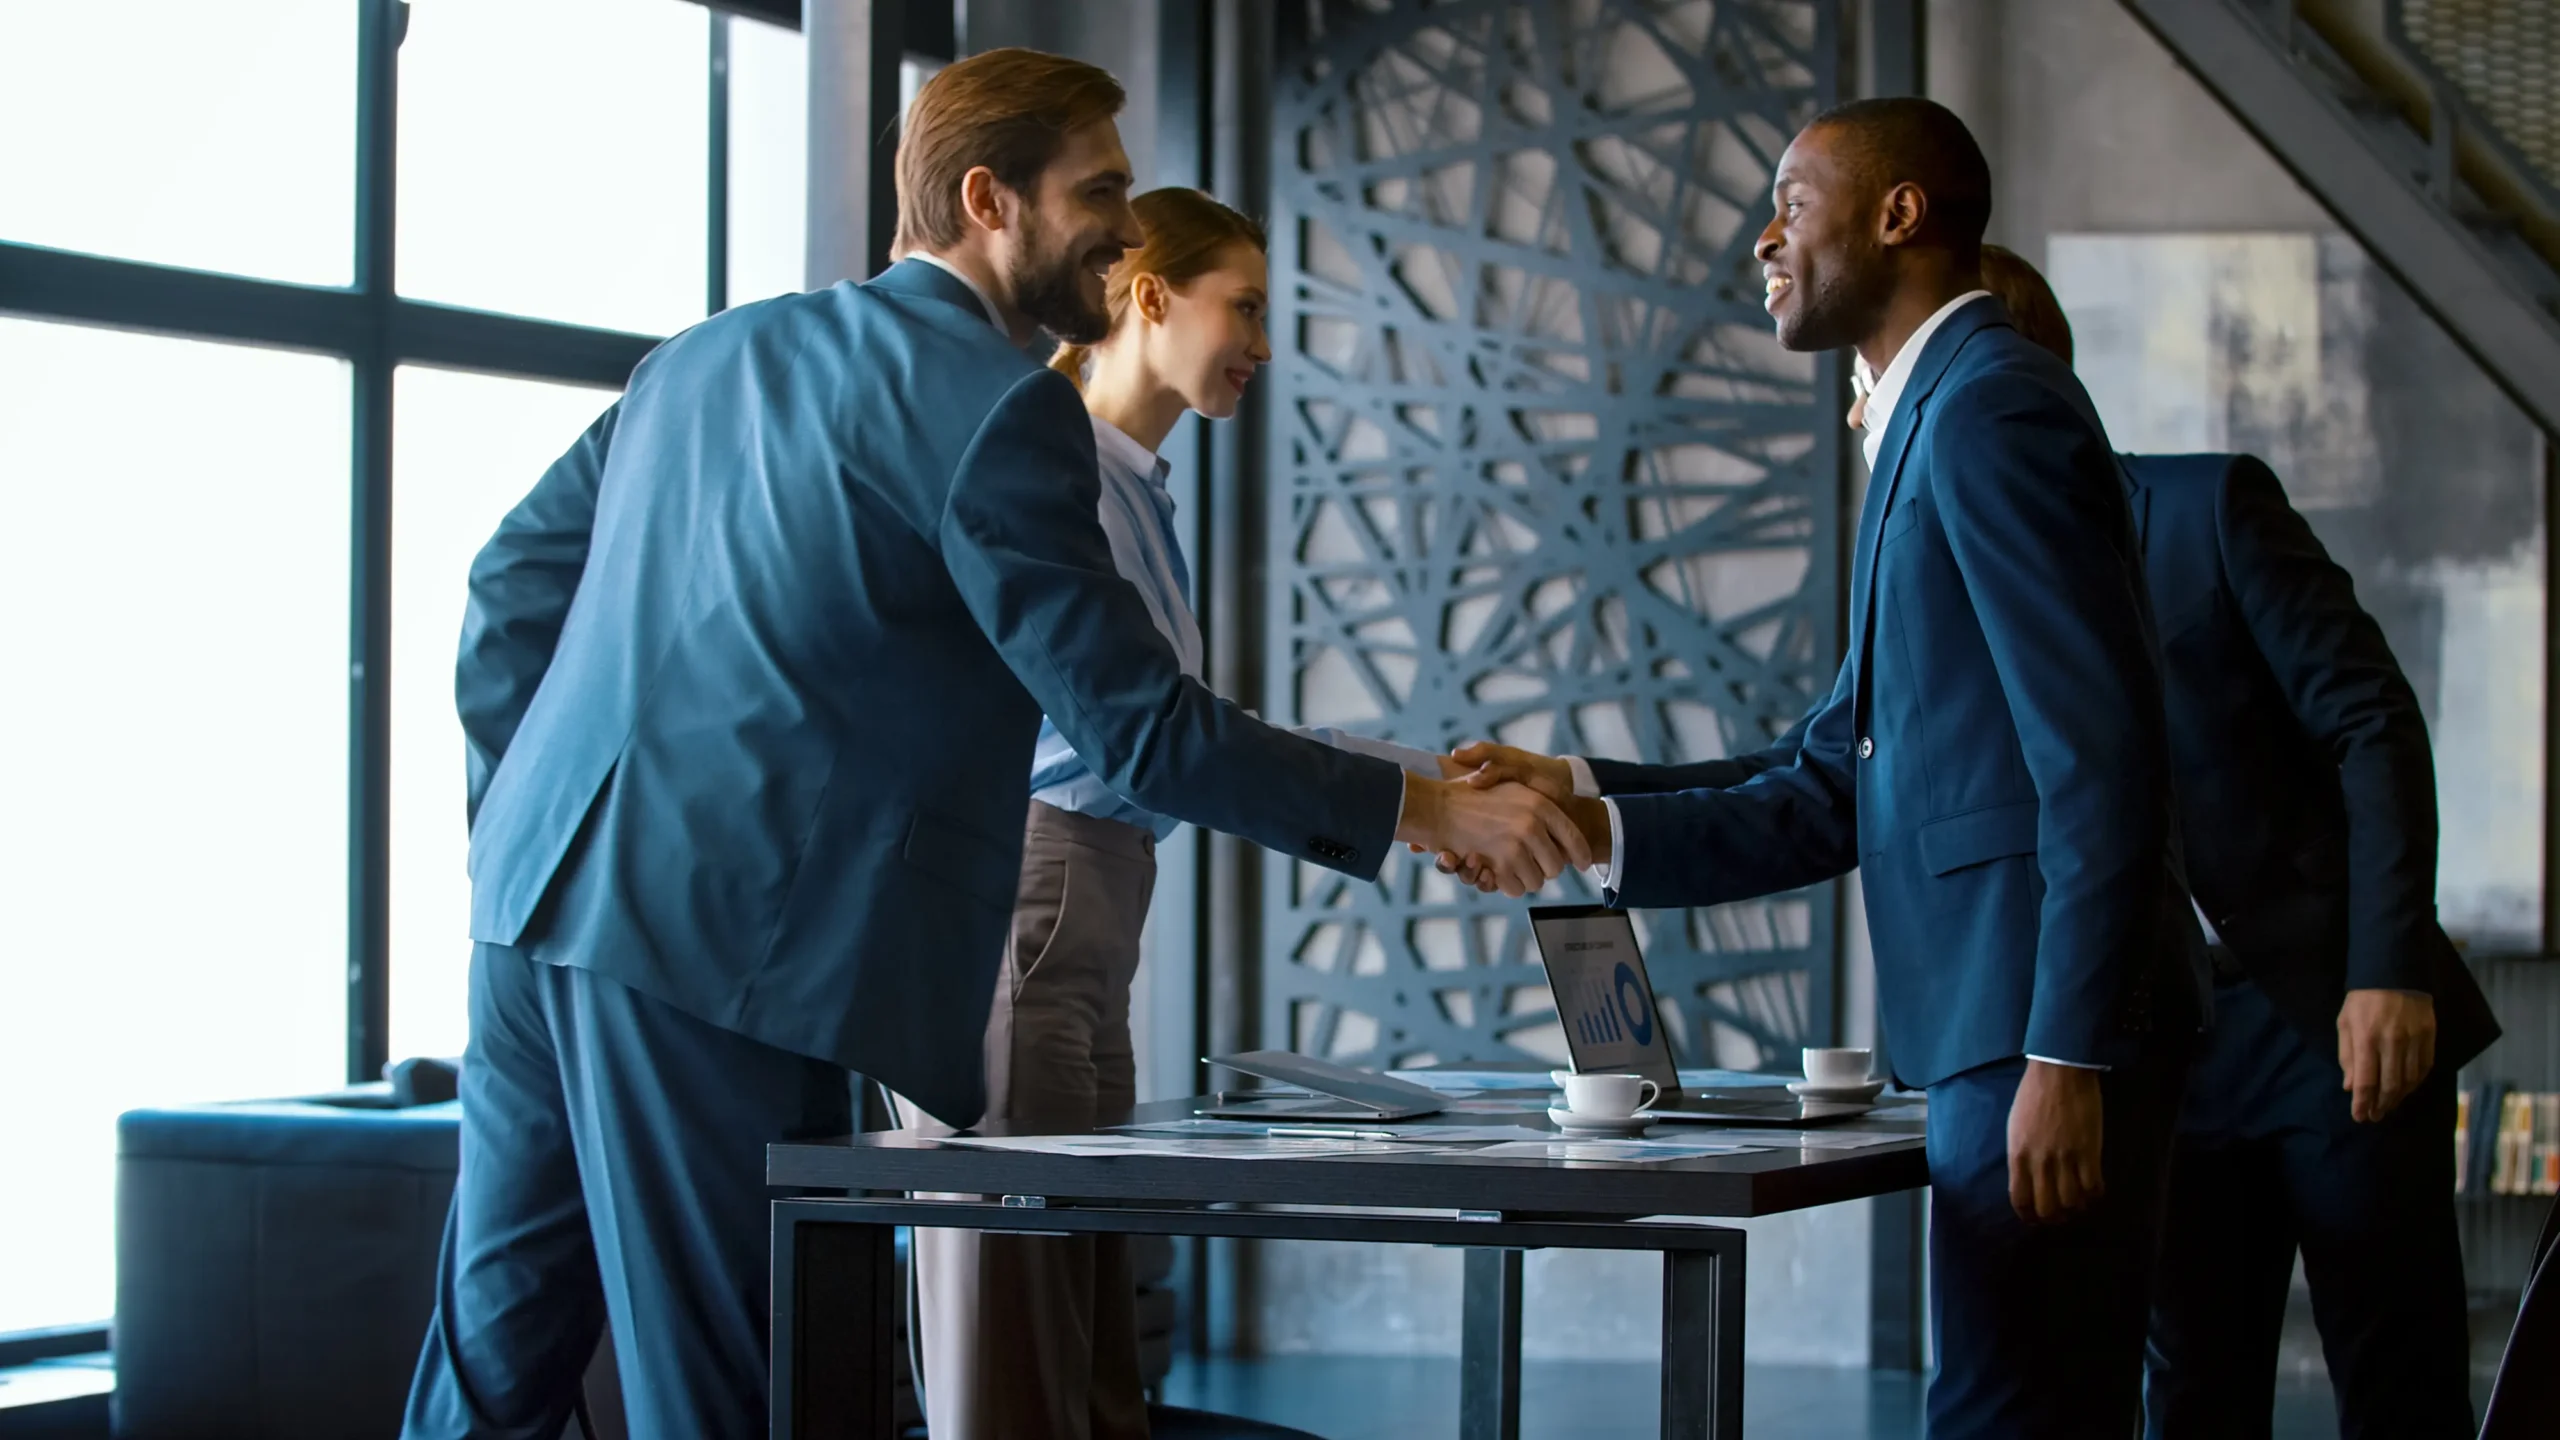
(768,160)
(219,136)
(297,298)
(465,448)
(173,569)
(553,159)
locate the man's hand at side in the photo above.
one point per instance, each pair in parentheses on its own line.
(2386,1044)
(1520,836)
(2057,1135)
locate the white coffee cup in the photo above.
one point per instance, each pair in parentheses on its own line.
(1841,1066)
(1606,1097)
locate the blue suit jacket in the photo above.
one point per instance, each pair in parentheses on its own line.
(1992,758)
(2306,785)
(751,680)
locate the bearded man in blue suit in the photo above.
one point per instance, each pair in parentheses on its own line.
(751,682)
(1993,762)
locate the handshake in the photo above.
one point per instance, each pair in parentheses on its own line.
(1503,818)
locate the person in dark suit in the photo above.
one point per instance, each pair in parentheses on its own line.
(2320,1115)
(751,682)
(1993,762)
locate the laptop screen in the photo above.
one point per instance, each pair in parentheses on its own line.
(1602,993)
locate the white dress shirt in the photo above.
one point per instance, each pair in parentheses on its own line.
(994,316)
(1882,396)
(1887,391)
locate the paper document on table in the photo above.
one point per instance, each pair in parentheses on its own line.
(1108,1147)
(1479,1134)
(1622,1152)
(1448,1081)
(1376,1131)
(1775,1139)
(1198,1125)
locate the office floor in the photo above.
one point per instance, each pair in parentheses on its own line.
(1412,1398)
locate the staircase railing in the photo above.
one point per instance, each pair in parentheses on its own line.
(2401,157)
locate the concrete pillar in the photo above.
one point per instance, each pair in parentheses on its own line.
(854,49)
(1966,66)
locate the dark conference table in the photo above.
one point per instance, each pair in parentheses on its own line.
(836,1290)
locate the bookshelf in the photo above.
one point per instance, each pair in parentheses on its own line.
(2498,1230)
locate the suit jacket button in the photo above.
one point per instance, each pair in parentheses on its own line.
(1866,747)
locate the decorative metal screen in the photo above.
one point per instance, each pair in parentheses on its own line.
(1539,471)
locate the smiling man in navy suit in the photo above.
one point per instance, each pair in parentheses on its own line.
(1992,761)
(751,682)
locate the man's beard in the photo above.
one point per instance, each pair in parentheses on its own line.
(1840,307)
(1048,288)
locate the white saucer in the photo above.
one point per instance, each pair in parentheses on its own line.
(1858,1094)
(1571,1123)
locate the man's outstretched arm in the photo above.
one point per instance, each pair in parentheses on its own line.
(1022,541)
(1557,776)
(1789,825)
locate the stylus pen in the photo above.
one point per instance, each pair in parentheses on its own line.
(1322,1132)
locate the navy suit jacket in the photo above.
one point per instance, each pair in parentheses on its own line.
(2304,776)
(1993,758)
(751,680)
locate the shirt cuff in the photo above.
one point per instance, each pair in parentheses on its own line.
(1604,873)
(1585,784)
(2069,1064)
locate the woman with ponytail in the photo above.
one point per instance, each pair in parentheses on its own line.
(1038,1335)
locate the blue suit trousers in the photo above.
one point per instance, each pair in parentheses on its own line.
(2270,1160)
(2039,1327)
(613,1157)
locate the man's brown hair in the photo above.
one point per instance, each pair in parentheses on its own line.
(1009,110)
(2032,307)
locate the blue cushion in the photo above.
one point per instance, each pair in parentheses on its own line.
(294,1132)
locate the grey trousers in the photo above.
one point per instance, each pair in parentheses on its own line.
(1037,1336)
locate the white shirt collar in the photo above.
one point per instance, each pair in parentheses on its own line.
(1114,444)
(947,268)
(1887,390)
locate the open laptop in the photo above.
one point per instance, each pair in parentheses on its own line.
(1612,1026)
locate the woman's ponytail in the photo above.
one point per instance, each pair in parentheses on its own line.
(1070,362)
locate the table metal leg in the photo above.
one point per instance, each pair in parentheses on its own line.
(1489,1354)
(835,1291)
(1702,1343)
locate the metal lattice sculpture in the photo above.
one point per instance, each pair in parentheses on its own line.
(1540,471)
